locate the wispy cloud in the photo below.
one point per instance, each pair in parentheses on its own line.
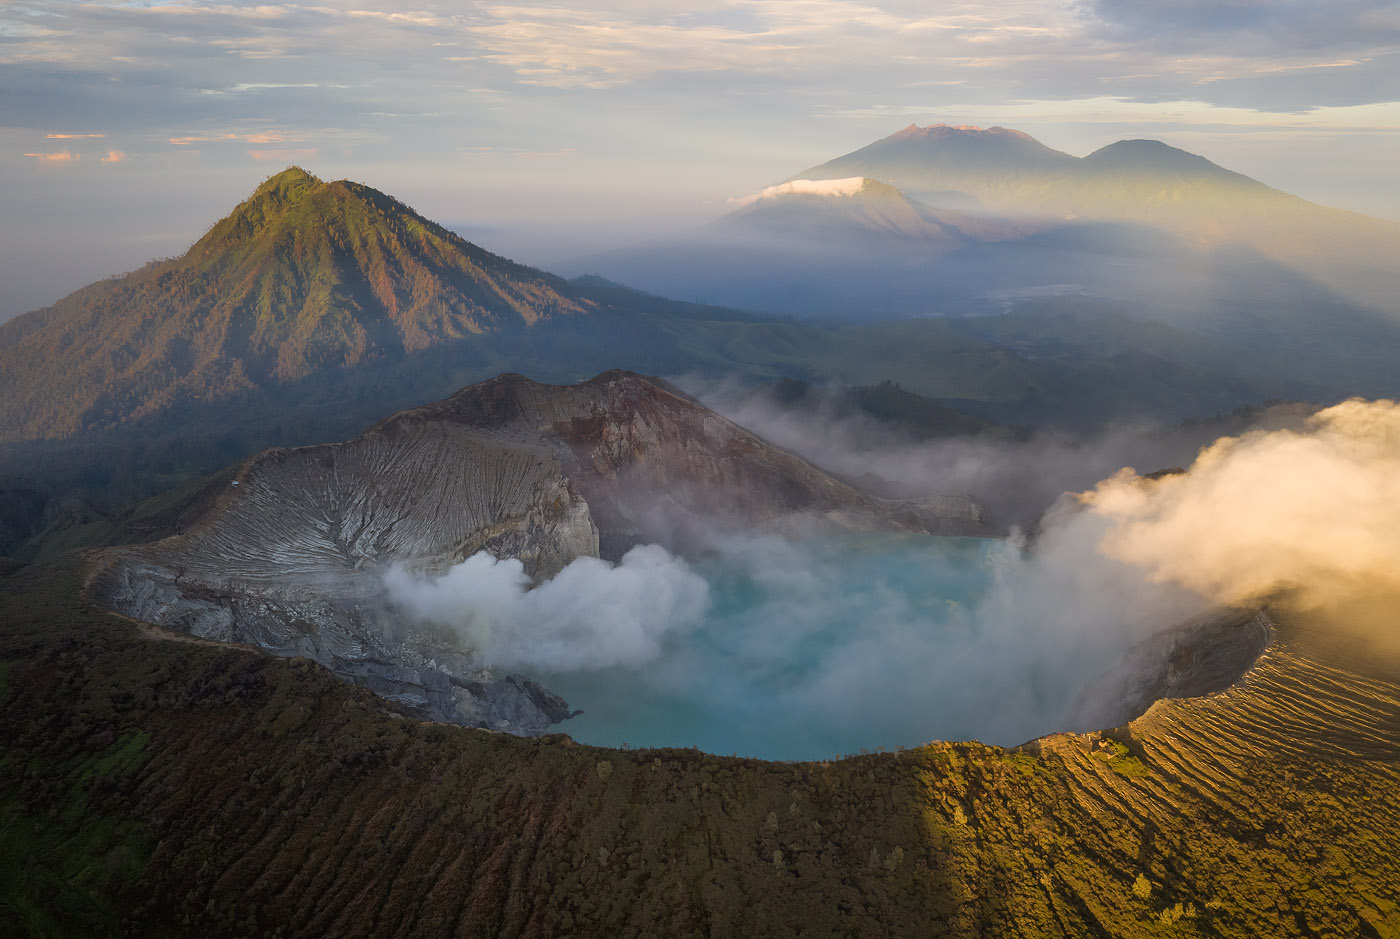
(229,10)
(405,17)
(58,158)
(1151,50)
(576,47)
(1169,114)
(72,136)
(194,139)
(267,136)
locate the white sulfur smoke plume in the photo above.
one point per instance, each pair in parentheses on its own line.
(592,614)
(1314,513)
(802,648)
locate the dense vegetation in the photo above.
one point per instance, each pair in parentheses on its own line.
(150,787)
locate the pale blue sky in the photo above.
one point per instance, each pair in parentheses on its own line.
(554,129)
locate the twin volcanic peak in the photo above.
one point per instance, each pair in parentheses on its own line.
(1016,186)
(1007,170)
(1144,181)
(939,220)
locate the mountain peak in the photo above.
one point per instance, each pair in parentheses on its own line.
(267,207)
(937,161)
(946,131)
(842,212)
(1148,153)
(285,187)
(290,179)
(304,277)
(1155,158)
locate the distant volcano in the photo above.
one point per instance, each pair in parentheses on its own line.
(839,213)
(946,165)
(1007,172)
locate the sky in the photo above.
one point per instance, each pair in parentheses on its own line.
(546,131)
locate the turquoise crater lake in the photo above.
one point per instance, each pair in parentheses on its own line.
(817,648)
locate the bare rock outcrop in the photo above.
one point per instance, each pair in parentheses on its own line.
(1204,655)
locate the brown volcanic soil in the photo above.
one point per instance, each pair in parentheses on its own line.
(161,789)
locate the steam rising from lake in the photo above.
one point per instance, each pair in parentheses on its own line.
(814,647)
(808,648)
(820,647)
(592,614)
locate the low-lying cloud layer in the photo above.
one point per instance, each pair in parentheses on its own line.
(1314,512)
(803,187)
(1015,477)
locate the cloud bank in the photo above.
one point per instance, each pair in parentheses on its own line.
(804,187)
(1314,513)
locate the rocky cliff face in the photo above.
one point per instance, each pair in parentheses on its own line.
(286,553)
(1202,656)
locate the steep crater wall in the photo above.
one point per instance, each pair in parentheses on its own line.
(1204,655)
(289,555)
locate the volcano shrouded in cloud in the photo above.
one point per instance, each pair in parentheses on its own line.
(829,211)
(1141,181)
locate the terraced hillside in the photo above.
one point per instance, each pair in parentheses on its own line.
(157,788)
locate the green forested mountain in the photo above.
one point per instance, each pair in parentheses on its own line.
(305,278)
